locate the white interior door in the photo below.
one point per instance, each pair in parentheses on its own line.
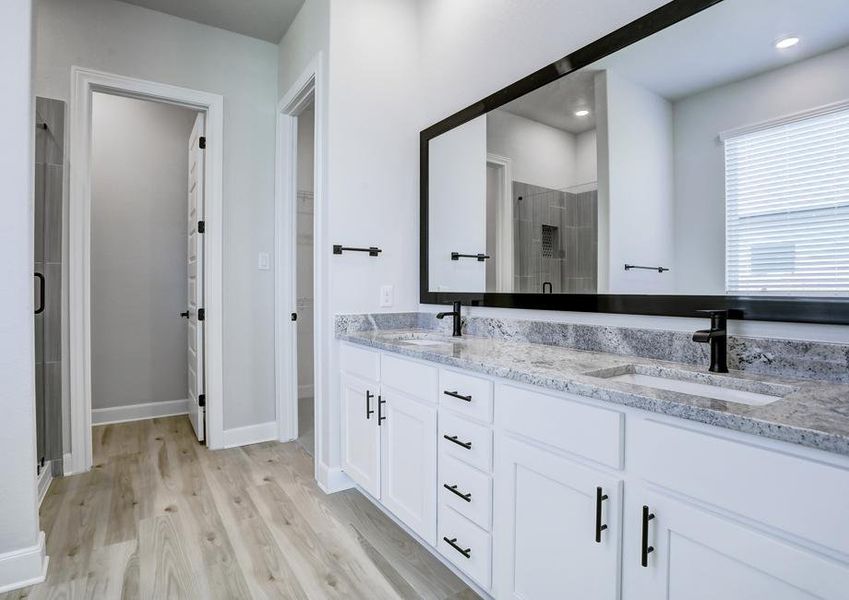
(194,272)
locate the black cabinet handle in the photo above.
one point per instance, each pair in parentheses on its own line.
(41,293)
(453,490)
(645,549)
(457,395)
(456,440)
(599,527)
(479,257)
(185,314)
(453,543)
(380,403)
(369,409)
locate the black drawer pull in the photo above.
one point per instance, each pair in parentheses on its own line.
(369,409)
(455,439)
(457,395)
(645,548)
(453,489)
(452,542)
(599,498)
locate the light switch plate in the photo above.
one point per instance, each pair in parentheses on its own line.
(387,295)
(263,261)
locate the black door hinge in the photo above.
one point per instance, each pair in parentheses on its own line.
(201,314)
(202,142)
(201,226)
(202,400)
(294,316)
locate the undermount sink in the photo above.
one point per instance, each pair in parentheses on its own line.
(418,338)
(705,385)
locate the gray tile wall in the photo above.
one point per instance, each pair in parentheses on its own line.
(570,261)
(49,178)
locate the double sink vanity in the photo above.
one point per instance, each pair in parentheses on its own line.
(543,471)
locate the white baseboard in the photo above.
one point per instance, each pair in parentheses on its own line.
(139,412)
(306,391)
(251,434)
(332,479)
(45,477)
(24,567)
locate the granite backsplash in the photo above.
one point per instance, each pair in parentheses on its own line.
(767,356)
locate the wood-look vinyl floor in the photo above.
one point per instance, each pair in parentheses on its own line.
(160,516)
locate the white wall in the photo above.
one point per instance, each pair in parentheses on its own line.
(638,191)
(132,41)
(138,251)
(700,156)
(457,222)
(586,158)
(541,155)
(18,511)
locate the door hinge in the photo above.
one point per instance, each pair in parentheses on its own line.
(202,400)
(202,142)
(201,314)
(201,226)
(294,316)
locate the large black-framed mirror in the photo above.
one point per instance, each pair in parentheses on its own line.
(696,158)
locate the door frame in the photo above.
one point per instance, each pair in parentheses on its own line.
(307,89)
(84,82)
(503,223)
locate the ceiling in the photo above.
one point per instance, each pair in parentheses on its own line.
(555,104)
(263,19)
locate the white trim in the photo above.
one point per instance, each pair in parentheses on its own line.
(83,83)
(139,412)
(250,434)
(67,464)
(331,480)
(792,117)
(45,478)
(24,567)
(306,391)
(504,224)
(309,87)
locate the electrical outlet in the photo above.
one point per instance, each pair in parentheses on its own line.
(387,293)
(263,262)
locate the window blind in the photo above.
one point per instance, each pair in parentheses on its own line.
(787,208)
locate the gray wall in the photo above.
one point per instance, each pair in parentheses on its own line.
(138,251)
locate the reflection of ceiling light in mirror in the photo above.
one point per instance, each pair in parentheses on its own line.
(582,113)
(787,42)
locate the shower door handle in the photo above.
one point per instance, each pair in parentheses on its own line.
(40,278)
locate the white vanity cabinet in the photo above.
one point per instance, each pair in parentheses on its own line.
(389,434)
(536,494)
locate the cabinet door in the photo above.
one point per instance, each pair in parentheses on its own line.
(697,555)
(547,514)
(360,433)
(408,462)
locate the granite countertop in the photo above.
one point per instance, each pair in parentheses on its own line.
(812,413)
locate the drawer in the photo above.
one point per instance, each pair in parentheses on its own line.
(470,547)
(361,362)
(472,491)
(412,378)
(570,425)
(466,441)
(802,497)
(466,394)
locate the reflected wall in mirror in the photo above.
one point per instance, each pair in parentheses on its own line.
(711,158)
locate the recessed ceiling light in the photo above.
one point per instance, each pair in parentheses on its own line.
(787,42)
(582,113)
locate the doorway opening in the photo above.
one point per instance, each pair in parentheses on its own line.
(147,167)
(144,239)
(304,280)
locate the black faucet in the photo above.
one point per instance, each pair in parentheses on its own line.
(458,324)
(717,337)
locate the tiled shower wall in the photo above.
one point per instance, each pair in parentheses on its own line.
(555,237)
(49,156)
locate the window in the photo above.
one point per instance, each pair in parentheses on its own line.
(787,207)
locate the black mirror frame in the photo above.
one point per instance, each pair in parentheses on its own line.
(773,308)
